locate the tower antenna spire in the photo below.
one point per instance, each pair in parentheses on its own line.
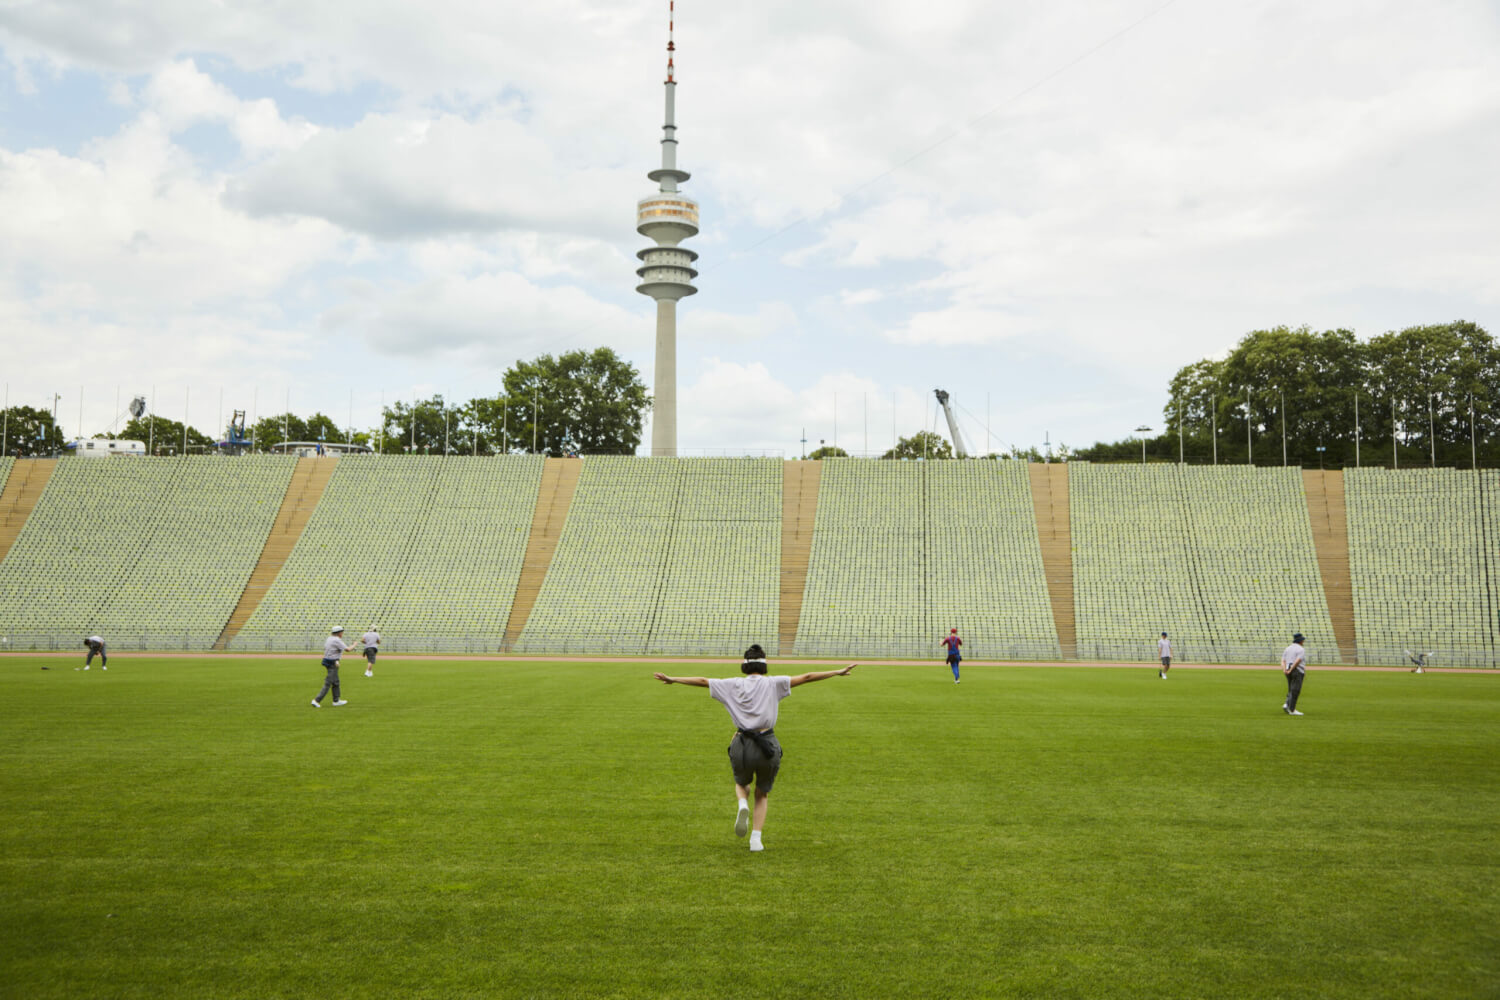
(666,272)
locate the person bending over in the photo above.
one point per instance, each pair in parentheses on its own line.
(94,644)
(754,752)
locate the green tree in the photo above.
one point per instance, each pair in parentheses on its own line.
(163,436)
(30,431)
(589,400)
(273,430)
(923,444)
(829,451)
(418,427)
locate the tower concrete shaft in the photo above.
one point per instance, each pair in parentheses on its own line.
(666,272)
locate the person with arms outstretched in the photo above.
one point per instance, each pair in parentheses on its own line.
(754,753)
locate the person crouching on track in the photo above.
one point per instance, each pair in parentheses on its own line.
(754,752)
(94,644)
(333,649)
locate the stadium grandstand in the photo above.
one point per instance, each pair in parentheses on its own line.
(427,549)
(903,551)
(664,555)
(1221,558)
(153,552)
(1423,557)
(653,556)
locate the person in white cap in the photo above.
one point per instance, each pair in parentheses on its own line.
(333,649)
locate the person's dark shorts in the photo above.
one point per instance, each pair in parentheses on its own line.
(1166,661)
(751,763)
(370,653)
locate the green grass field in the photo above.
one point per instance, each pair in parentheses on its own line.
(192,828)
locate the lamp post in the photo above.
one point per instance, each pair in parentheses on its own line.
(1143,430)
(1320,450)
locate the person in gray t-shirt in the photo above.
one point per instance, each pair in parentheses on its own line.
(754,752)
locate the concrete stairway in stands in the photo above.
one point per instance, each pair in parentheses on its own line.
(799,510)
(1325,509)
(28,477)
(309,480)
(1049,497)
(554,497)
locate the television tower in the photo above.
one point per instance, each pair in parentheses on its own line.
(666,270)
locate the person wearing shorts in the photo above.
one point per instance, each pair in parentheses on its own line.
(952,641)
(1164,650)
(754,752)
(94,644)
(371,640)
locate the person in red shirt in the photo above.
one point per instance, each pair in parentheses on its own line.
(954,656)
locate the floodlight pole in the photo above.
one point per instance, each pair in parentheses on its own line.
(1179,432)
(1356,430)
(1395,458)
(1249,445)
(1282,407)
(1213,417)
(1431,431)
(1473,450)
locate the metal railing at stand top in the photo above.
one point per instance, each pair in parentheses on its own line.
(1133,650)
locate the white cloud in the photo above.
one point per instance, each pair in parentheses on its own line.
(183,96)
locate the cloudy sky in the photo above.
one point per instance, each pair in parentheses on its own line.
(1045,208)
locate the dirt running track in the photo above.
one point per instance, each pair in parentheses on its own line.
(825,662)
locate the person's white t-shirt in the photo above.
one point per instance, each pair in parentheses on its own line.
(752,700)
(1294,653)
(334,648)
(1164,647)
(95,638)
(371,638)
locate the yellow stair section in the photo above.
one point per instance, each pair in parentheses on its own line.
(309,480)
(28,477)
(554,497)
(1054,529)
(799,512)
(1330,528)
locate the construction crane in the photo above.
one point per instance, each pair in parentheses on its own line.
(958,439)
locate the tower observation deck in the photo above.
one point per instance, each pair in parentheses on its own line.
(666,270)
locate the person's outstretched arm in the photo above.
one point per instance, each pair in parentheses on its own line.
(701,682)
(821,675)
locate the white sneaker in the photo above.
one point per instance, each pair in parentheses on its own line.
(85,666)
(756,845)
(338,703)
(103,667)
(1161,675)
(315,703)
(1294,712)
(742,821)
(1288,711)
(369,673)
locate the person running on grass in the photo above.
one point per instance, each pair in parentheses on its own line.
(754,752)
(333,650)
(952,641)
(371,640)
